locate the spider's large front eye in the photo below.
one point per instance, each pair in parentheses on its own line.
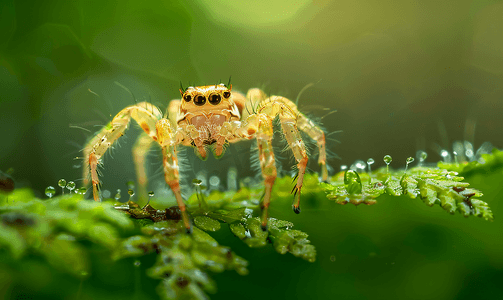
(227,95)
(199,100)
(187,98)
(215,99)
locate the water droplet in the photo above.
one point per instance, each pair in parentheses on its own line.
(344,167)
(117,196)
(468,150)
(50,191)
(196,182)
(70,186)
(353,182)
(131,193)
(214,182)
(408,161)
(332,258)
(387,159)
(459,151)
(137,263)
(62,184)
(359,166)
(445,155)
(421,156)
(150,195)
(370,162)
(232,176)
(106,194)
(82,191)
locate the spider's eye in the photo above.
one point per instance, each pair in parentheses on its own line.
(215,99)
(199,100)
(187,98)
(227,94)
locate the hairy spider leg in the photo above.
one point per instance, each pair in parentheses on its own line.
(167,139)
(144,113)
(267,162)
(318,135)
(140,149)
(288,115)
(256,96)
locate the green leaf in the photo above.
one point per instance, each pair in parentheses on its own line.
(280,232)
(206,223)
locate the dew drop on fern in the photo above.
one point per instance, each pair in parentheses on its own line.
(408,161)
(445,155)
(352,182)
(421,156)
(117,196)
(106,194)
(82,190)
(50,191)
(387,159)
(70,186)
(62,185)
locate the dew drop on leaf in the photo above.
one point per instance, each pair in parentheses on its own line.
(82,190)
(70,186)
(50,191)
(62,184)
(421,156)
(106,194)
(117,196)
(353,182)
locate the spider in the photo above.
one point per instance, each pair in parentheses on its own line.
(207,118)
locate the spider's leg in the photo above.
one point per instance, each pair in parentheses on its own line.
(167,139)
(140,150)
(145,114)
(267,162)
(318,135)
(286,110)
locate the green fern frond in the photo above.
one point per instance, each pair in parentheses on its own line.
(432,185)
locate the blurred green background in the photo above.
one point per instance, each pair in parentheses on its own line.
(393,70)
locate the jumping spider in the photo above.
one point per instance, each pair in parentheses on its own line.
(209,117)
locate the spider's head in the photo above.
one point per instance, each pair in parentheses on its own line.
(205,98)
(205,109)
